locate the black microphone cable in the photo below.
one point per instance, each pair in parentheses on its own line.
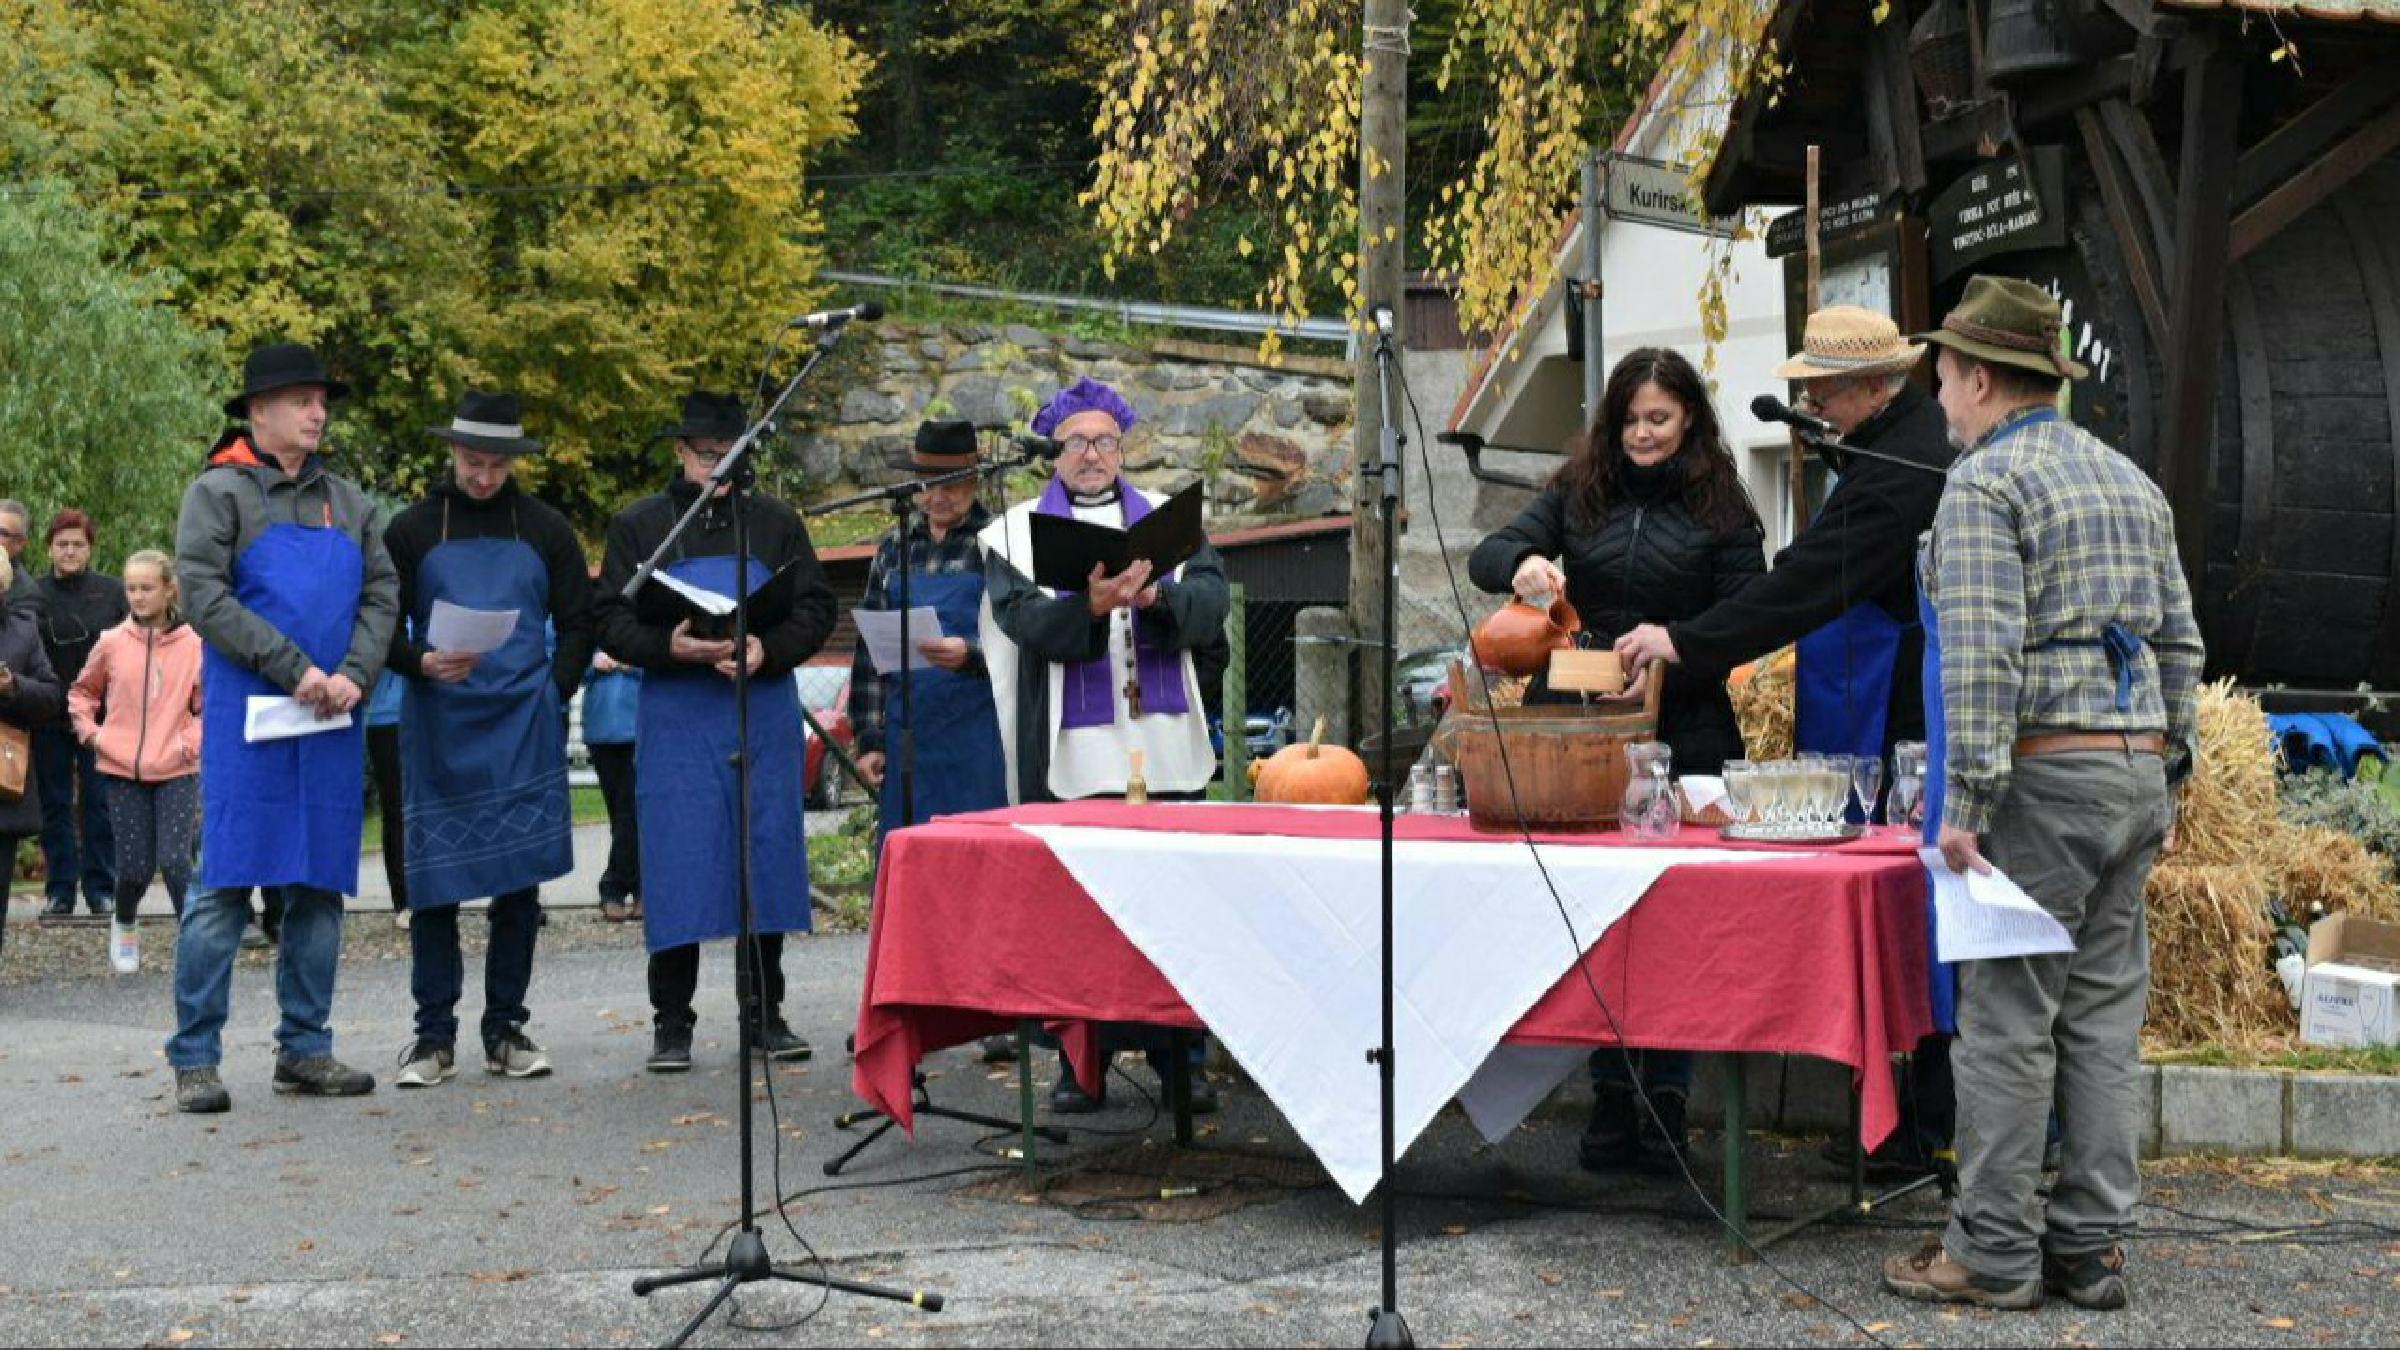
(1533,849)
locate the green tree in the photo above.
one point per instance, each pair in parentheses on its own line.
(108,395)
(595,202)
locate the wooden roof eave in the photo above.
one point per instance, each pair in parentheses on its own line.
(1729,185)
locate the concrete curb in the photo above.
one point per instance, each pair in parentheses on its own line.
(2185,1109)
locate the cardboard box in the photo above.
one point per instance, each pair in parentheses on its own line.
(2351,993)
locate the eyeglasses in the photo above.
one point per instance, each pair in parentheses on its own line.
(1083,445)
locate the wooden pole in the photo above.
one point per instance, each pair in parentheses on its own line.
(1382,212)
(1816,261)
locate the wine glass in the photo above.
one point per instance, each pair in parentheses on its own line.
(1739,774)
(1907,798)
(1866,778)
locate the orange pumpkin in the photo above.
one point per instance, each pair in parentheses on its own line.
(1314,773)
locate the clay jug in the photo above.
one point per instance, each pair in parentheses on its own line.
(1518,638)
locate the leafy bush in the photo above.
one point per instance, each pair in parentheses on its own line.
(2356,808)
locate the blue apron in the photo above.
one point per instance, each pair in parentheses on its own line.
(288,812)
(484,761)
(685,796)
(1942,980)
(959,765)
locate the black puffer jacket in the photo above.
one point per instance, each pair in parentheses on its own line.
(1645,561)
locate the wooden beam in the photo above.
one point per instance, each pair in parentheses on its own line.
(2212,106)
(2147,167)
(2133,237)
(2290,146)
(2037,106)
(1887,65)
(2370,242)
(2254,544)
(2305,190)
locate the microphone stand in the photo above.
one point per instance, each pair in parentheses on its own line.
(1389,1328)
(1832,444)
(746,1260)
(902,497)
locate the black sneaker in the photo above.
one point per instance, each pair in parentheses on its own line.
(2094,1280)
(1000,1049)
(320,1076)
(1665,1139)
(200,1092)
(1609,1142)
(779,1043)
(670,1049)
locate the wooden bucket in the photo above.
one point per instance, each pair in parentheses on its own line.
(1552,767)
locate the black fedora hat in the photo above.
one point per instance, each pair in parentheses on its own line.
(944,447)
(280,365)
(708,416)
(489,422)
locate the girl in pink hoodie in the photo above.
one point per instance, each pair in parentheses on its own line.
(137,705)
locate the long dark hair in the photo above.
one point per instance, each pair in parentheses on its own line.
(1592,477)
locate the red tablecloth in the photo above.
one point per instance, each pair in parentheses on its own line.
(977,926)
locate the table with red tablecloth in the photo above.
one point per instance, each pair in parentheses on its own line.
(979,926)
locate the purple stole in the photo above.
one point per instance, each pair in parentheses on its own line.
(1089,692)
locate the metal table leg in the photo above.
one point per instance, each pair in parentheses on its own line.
(1025,1092)
(1737,1159)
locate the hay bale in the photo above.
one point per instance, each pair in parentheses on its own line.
(2212,979)
(1762,705)
(2228,811)
(2318,870)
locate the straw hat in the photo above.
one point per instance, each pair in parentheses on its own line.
(1846,340)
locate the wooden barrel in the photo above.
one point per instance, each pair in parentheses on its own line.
(1549,768)
(2302,582)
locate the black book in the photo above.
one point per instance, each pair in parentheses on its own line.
(664,602)
(1064,548)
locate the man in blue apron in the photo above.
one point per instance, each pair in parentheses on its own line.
(959,766)
(285,576)
(483,744)
(1845,590)
(2069,668)
(685,732)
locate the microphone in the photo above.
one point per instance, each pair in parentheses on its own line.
(1042,448)
(835,318)
(1768,408)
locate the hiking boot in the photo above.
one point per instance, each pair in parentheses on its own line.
(614,911)
(1664,1136)
(1931,1275)
(1000,1049)
(320,1076)
(670,1049)
(199,1092)
(124,948)
(426,1064)
(514,1054)
(2094,1280)
(780,1044)
(1609,1139)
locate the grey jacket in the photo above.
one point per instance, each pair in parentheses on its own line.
(225,511)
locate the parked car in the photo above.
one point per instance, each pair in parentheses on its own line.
(1421,679)
(825,693)
(1264,732)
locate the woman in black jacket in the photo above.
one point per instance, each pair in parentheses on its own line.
(30,698)
(1647,522)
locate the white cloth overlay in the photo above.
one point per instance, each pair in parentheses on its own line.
(1274,942)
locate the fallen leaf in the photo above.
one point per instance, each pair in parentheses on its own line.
(307,1244)
(1878,1328)
(1612,1293)
(179,1335)
(1454,1229)
(660,1209)
(390,1338)
(1799,1301)
(1551,1277)
(2282,1323)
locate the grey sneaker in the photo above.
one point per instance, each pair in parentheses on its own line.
(515,1055)
(426,1064)
(200,1092)
(2095,1280)
(320,1076)
(670,1049)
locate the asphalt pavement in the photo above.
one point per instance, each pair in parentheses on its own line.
(495,1212)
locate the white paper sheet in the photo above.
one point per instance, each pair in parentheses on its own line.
(1984,918)
(456,628)
(708,601)
(271,717)
(880,630)
(1702,791)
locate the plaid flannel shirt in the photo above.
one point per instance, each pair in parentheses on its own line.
(2044,537)
(954,553)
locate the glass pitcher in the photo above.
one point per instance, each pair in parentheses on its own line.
(1650,809)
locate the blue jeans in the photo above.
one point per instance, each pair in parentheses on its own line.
(64,772)
(1662,1070)
(437,973)
(311,953)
